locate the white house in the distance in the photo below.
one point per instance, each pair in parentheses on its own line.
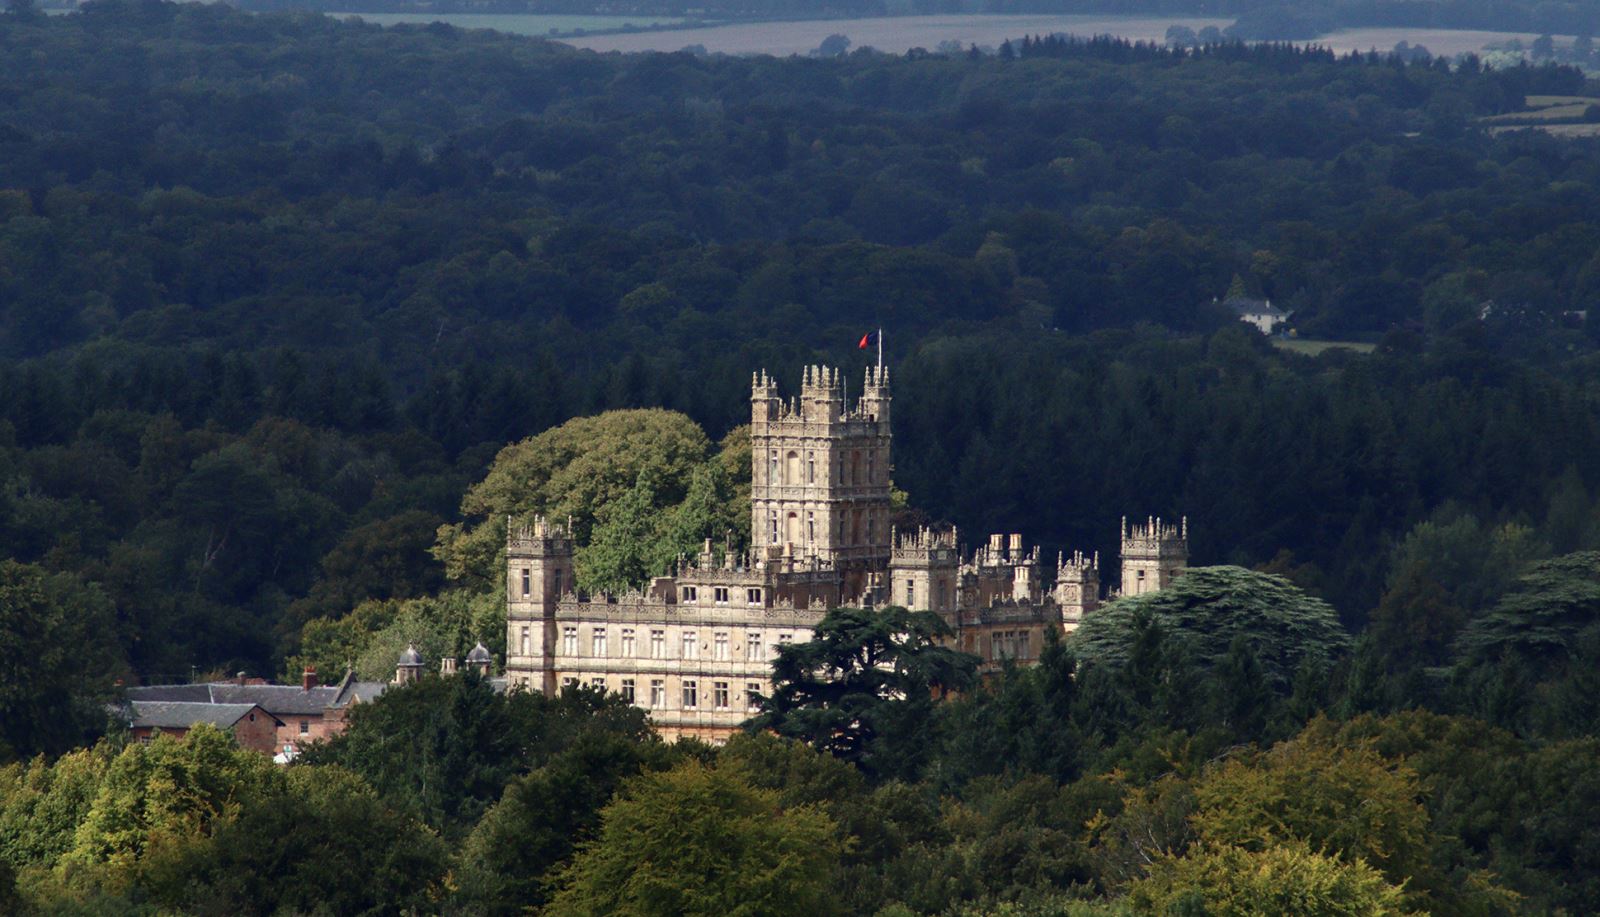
(1258,312)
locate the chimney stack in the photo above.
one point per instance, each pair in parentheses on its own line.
(308,678)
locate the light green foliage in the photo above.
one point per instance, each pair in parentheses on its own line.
(574,470)
(42,804)
(1205,610)
(332,645)
(1280,880)
(154,799)
(701,841)
(641,487)
(1347,801)
(57,635)
(446,624)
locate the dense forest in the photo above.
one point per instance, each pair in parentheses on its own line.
(1274,20)
(294,309)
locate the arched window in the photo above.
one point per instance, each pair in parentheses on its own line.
(794,528)
(792,471)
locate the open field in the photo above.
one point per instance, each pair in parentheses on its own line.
(1561,116)
(1311,348)
(896,34)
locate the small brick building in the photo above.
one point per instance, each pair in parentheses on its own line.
(252,726)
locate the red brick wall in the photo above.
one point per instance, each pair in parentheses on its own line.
(319,727)
(256,731)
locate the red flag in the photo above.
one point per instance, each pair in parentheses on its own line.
(867,340)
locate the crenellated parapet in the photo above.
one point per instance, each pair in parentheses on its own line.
(925,546)
(537,537)
(1154,553)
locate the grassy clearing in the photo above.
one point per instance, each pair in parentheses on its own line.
(1311,348)
(1565,112)
(1560,116)
(1552,101)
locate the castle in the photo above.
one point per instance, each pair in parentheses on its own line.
(695,649)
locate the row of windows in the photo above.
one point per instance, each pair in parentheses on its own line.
(690,595)
(792,532)
(911,594)
(721,693)
(722,645)
(527,582)
(1012,644)
(848,473)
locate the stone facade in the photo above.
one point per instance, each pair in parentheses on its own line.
(694,648)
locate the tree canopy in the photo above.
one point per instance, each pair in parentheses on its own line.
(862,686)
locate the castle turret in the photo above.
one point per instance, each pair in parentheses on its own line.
(1154,553)
(924,568)
(408,668)
(1077,588)
(538,574)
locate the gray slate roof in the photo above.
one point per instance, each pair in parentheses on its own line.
(278,700)
(186,714)
(1244,305)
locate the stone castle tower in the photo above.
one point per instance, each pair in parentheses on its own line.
(1077,589)
(820,473)
(1154,553)
(538,574)
(925,572)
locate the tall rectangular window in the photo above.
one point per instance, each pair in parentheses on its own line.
(772,523)
(627,690)
(811,528)
(811,468)
(752,695)
(569,641)
(719,695)
(599,642)
(555,582)
(527,640)
(719,646)
(658,644)
(911,594)
(1022,645)
(628,648)
(527,582)
(691,645)
(754,649)
(691,695)
(658,693)
(720,595)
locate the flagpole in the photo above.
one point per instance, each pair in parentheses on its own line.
(880,352)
